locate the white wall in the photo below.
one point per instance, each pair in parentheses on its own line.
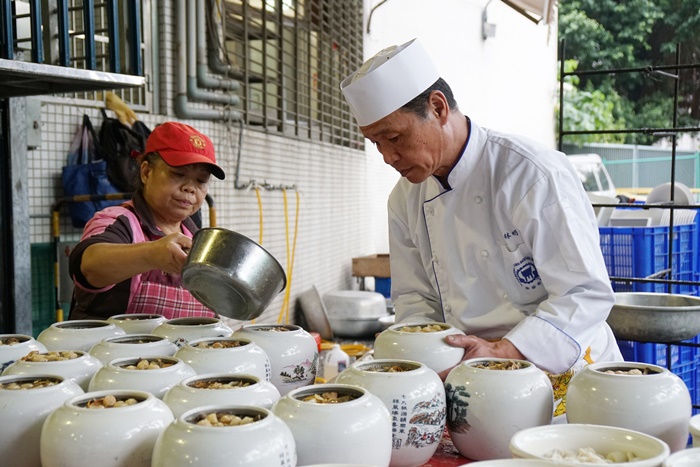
(507,82)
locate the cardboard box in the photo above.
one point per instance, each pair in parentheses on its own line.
(373,265)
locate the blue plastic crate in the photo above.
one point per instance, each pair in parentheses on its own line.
(639,252)
(684,360)
(383,286)
(657,354)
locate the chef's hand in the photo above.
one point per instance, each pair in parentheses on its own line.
(475,347)
(170,253)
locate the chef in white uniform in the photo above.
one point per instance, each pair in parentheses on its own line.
(489,232)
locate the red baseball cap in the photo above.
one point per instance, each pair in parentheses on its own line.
(179,144)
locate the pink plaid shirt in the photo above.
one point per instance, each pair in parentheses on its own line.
(152,291)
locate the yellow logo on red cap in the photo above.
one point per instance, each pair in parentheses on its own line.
(197,141)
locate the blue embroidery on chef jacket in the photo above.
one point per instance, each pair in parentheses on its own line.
(526,273)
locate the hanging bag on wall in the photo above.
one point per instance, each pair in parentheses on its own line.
(86,174)
(116,143)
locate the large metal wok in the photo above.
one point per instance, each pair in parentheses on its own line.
(654,317)
(231,274)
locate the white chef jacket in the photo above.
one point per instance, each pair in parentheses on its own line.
(510,250)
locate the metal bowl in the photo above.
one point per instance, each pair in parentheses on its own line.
(655,317)
(355,327)
(231,274)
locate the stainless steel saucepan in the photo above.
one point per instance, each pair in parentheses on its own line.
(231,274)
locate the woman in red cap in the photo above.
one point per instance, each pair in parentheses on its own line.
(130,257)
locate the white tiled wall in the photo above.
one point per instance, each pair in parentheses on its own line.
(341,204)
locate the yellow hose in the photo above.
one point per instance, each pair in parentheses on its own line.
(284,312)
(260,212)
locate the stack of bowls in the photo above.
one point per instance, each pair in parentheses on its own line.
(355,313)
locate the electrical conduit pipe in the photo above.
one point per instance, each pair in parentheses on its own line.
(203,79)
(182,103)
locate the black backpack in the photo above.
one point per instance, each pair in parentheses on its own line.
(116,143)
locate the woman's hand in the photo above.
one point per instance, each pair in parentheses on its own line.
(170,253)
(475,347)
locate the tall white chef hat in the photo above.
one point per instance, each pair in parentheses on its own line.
(388,81)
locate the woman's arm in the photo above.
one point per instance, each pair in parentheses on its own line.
(104,264)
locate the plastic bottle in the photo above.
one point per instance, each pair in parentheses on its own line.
(334,362)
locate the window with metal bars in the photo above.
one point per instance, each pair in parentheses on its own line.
(86,34)
(106,15)
(290,56)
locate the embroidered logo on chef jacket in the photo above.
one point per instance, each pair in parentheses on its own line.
(526,273)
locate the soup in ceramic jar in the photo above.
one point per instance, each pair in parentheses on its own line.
(224,418)
(29,383)
(145,364)
(51,356)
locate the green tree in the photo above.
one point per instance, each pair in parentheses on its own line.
(615,34)
(589,110)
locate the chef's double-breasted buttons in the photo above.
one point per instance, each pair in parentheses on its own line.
(484,253)
(478,200)
(429,210)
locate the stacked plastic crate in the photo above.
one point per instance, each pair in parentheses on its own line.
(640,252)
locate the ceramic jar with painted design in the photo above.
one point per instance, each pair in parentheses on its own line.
(292,351)
(415,398)
(491,399)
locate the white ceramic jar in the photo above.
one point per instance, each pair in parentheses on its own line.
(694,427)
(220,389)
(266,442)
(292,351)
(75,365)
(138,323)
(226,355)
(119,374)
(656,402)
(15,346)
(23,412)
(354,431)
(403,341)
(75,435)
(181,330)
(79,334)
(415,398)
(132,345)
(685,458)
(486,406)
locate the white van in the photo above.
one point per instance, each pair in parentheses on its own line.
(594,176)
